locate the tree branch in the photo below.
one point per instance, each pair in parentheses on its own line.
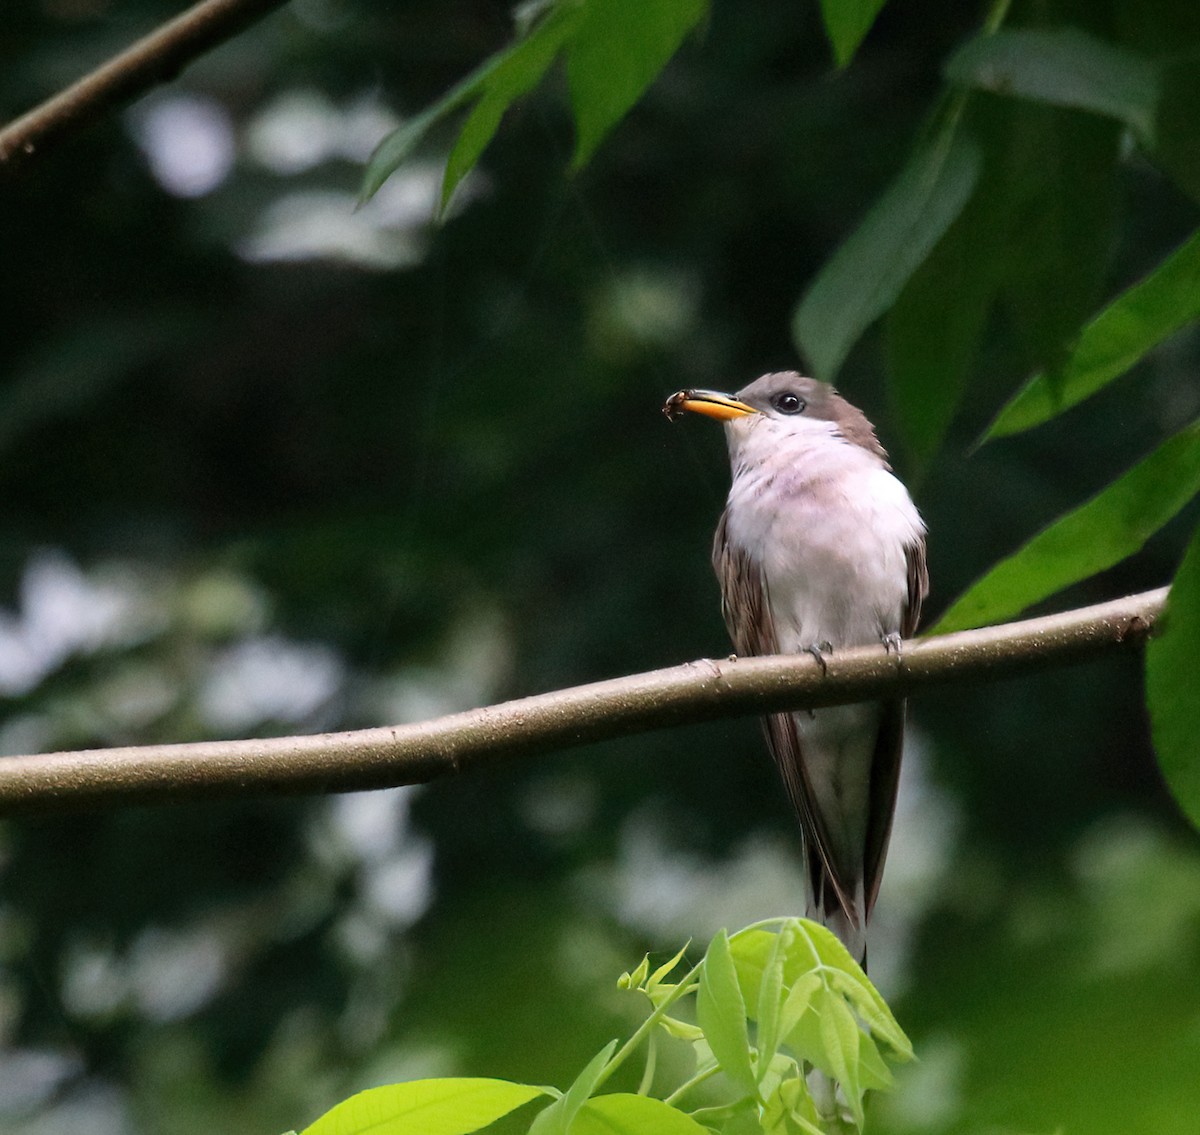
(695,691)
(156,58)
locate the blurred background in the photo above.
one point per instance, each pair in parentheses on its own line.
(273,465)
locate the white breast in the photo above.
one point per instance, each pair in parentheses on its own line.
(829,524)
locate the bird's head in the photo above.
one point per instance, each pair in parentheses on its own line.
(785,407)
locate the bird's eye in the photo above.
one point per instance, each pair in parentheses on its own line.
(788,403)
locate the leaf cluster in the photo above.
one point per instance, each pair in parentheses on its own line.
(788,1038)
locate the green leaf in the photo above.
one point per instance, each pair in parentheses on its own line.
(876,1015)
(721,1013)
(770,998)
(798,1001)
(1112,525)
(846,975)
(872,1069)
(865,275)
(398,146)
(495,84)
(433,1107)
(636,978)
(1139,319)
(517,73)
(840,1038)
(1064,67)
(618,51)
(664,971)
(622,1114)
(933,329)
(682,1030)
(750,950)
(804,1037)
(789,1110)
(847,23)
(773,1072)
(1172,691)
(558,1117)
(741,1118)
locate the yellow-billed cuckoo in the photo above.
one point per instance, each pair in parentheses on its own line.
(820,547)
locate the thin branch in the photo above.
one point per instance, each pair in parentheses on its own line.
(157,58)
(695,691)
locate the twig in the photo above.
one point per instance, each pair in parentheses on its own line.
(156,58)
(695,691)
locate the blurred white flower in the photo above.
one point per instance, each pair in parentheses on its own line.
(303,128)
(269,679)
(63,612)
(188,142)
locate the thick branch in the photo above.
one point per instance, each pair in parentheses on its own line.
(695,691)
(157,58)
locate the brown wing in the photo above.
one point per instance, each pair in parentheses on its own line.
(918,587)
(889,744)
(744,603)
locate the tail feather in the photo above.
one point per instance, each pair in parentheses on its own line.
(846,920)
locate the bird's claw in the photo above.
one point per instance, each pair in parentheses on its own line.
(818,650)
(892,643)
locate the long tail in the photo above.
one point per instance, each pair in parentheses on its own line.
(824,906)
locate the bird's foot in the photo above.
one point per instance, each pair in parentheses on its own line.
(892,643)
(818,650)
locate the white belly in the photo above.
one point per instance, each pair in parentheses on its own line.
(833,552)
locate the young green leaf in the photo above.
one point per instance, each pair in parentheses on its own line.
(798,1001)
(840,1038)
(664,971)
(804,1038)
(721,1013)
(741,1118)
(864,277)
(622,1114)
(1172,691)
(843,974)
(847,23)
(873,1010)
(770,998)
(826,947)
(1139,319)
(618,51)
(1064,67)
(774,1072)
(1112,525)
(789,1110)
(636,978)
(874,1072)
(433,1107)
(682,1030)
(750,950)
(558,1117)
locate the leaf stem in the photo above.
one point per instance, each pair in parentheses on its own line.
(705,1073)
(651,1062)
(647,1027)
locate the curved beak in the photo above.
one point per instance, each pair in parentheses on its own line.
(710,403)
